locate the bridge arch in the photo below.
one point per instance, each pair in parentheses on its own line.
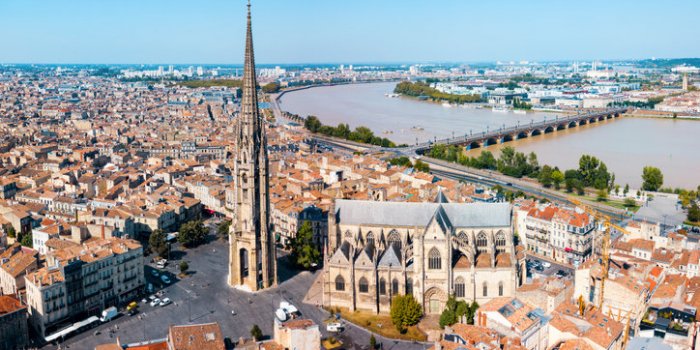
(562,126)
(582,122)
(549,129)
(506,138)
(592,120)
(601,118)
(573,124)
(522,135)
(536,132)
(473,145)
(490,141)
(616,115)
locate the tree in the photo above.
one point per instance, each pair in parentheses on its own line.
(653,178)
(10,231)
(304,252)
(223,228)
(694,212)
(184,266)
(557,178)
(372,342)
(256,332)
(421,166)
(271,87)
(192,233)
(593,172)
(629,202)
(27,240)
(405,311)
(545,177)
(447,318)
(626,190)
(157,242)
(602,195)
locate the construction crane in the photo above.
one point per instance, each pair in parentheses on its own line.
(605,246)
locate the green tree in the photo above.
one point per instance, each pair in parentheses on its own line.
(557,178)
(405,311)
(447,318)
(422,166)
(626,190)
(653,178)
(192,233)
(184,266)
(629,202)
(694,212)
(256,332)
(312,123)
(304,252)
(223,228)
(602,195)
(271,87)
(10,231)
(545,177)
(372,342)
(27,240)
(157,242)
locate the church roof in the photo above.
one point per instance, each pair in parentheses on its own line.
(390,257)
(354,212)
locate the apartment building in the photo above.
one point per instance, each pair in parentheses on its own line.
(83,280)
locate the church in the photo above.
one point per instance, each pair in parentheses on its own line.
(431,250)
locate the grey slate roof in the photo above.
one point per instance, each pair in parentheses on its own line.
(354,212)
(390,257)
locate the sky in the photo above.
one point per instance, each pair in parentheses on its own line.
(336,31)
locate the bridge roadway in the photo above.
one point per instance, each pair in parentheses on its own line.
(505,134)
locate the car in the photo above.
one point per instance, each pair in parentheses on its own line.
(165,279)
(155,302)
(160,293)
(144,300)
(154,273)
(165,301)
(539,268)
(334,327)
(152,297)
(546,264)
(562,273)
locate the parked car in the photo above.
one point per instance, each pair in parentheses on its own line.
(546,264)
(334,327)
(165,301)
(155,302)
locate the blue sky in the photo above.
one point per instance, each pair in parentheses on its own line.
(335,31)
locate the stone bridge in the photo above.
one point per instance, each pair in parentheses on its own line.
(520,131)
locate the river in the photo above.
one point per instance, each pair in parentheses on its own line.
(625,144)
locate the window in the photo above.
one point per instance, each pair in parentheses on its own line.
(382,286)
(364,287)
(409,286)
(339,283)
(500,241)
(500,289)
(394,239)
(394,287)
(434,260)
(481,240)
(370,238)
(485,290)
(459,288)
(463,237)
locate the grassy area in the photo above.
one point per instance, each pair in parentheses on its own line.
(381,324)
(615,203)
(210,83)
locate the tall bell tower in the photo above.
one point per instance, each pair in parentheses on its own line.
(252,256)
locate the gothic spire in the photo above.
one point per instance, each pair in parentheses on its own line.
(249,103)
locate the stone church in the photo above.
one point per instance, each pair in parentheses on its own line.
(431,250)
(252,257)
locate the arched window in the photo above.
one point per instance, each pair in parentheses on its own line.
(409,286)
(339,283)
(394,287)
(363,286)
(485,289)
(459,287)
(500,242)
(370,238)
(500,289)
(434,260)
(463,237)
(382,286)
(394,239)
(481,240)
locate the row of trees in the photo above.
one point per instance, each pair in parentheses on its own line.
(405,161)
(517,104)
(458,311)
(422,89)
(191,234)
(361,134)
(271,87)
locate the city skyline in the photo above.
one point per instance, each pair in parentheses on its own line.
(159,32)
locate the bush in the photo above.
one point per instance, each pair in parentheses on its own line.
(184,266)
(405,311)
(256,332)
